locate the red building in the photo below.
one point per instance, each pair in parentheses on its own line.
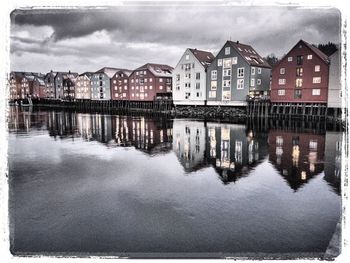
(39,88)
(150,81)
(301,76)
(120,85)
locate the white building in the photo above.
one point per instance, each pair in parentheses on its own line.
(189,77)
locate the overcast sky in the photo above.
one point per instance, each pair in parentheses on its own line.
(127,37)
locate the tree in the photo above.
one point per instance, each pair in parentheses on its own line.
(328,48)
(271,59)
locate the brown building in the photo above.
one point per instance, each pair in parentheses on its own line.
(150,81)
(301,76)
(297,156)
(15,85)
(39,88)
(120,85)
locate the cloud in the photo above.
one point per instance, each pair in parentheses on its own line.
(129,36)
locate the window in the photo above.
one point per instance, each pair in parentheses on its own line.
(300,60)
(281,92)
(252,82)
(309,57)
(114,81)
(316,80)
(160,87)
(259,70)
(281,81)
(297,94)
(234,60)
(198,85)
(227,83)
(298,83)
(290,59)
(317,68)
(187,57)
(227,72)
(258,82)
(150,80)
(253,70)
(282,71)
(227,63)
(227,50)
(240,83)
(214,74)
(226,95)
(313,144)
(316,92)
(219,62)
(198,94)
(160,80)
(150,87)
(187,95)
(212,94)
(299,72)
(177,77)
(240,72)
(198,75)
(213,85)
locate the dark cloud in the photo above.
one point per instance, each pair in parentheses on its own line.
(163,32)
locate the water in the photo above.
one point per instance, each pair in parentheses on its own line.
(122,185)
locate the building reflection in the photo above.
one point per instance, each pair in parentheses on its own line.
(233,150)
(152,136)
(229,148)
(298,151)
(333,158)
(297,156)
(189,144)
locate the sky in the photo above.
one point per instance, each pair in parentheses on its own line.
(87,39)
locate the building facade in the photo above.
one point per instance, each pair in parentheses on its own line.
(150,82)
(68,83)
(39,88)
(50,85)
(334,88)
(189,77)
(301,76)
(101,83)
(120,85)
(237,72)
(83,86)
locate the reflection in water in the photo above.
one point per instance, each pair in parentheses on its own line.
(232,149)
(297,156)
(109,183)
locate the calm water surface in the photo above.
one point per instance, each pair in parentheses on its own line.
(94,183)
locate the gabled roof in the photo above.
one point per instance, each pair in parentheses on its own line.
(40,80)
(158,70)
(88,74)
(249,54)
(204,57)
(315,50)
(318,52)
(127,72)
(108,71)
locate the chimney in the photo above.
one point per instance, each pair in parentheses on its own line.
(237,42)
(69,71)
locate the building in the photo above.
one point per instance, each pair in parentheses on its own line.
(68,83)
(334,85)
(150,81)
(237,72)
(301,76)
(50,85)
(39,88)
(15,82)
(101,83)
(83,86)
(189,77)
(120,85)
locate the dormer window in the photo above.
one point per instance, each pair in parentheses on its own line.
(187,57)
(227,50)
